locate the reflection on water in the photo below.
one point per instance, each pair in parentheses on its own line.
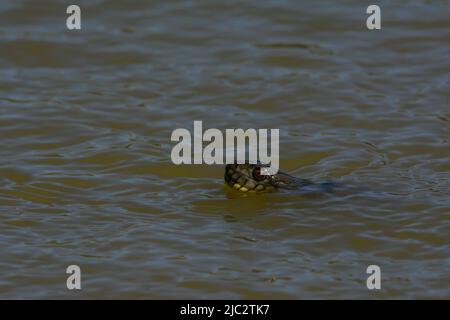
(85,174)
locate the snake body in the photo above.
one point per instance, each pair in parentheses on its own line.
(248,178)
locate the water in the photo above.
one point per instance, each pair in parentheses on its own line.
(85,170)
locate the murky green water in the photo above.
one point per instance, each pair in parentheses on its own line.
(85,170)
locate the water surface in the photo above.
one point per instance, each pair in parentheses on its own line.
(85,170)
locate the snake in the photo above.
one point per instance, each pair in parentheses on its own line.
(248,177)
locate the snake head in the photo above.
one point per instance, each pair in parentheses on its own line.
(248,177)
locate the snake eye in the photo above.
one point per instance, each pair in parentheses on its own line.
(257,174)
